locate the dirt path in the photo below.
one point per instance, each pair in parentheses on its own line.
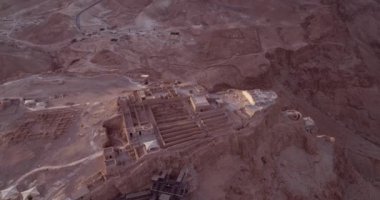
(57,167)
(77,17)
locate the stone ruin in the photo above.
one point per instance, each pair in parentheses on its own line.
(165,186)
(40,124)
(164,117)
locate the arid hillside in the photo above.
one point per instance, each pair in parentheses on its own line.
(320,56)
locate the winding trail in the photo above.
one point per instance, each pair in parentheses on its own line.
(77,17)
(57,167)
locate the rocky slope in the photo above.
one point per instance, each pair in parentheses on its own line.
(321,56)
(275,160)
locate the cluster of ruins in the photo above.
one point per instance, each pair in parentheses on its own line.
(161,116)
(165,186)
(309,123)
(170,115)
(15,102)
(36,123)
(40,124)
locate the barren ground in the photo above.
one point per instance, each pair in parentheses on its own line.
(320,56)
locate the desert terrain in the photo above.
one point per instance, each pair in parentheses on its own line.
(66,68)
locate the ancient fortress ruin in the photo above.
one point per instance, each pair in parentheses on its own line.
(159,119)
(164,117)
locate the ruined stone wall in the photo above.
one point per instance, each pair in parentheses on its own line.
(285,162)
